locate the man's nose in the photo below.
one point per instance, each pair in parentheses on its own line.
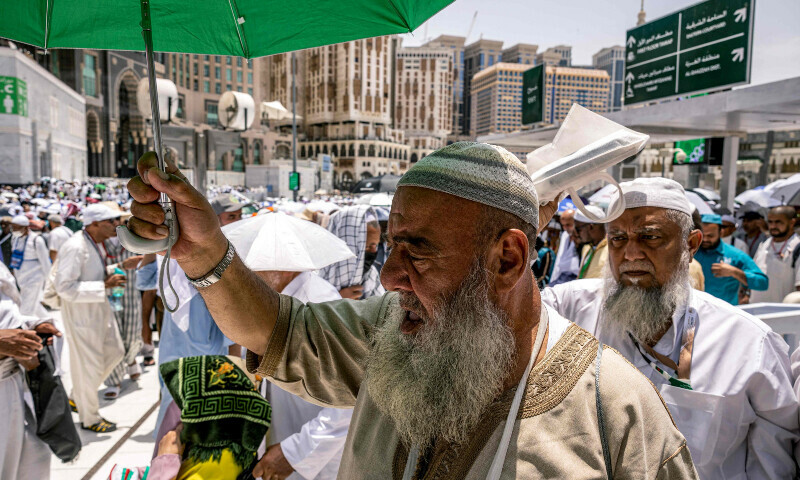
(633,251)
(393,275)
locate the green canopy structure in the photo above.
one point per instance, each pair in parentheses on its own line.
(244,28)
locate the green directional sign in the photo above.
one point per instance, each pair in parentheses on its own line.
(698,49)
(13,96)
(533,95)
(294,181)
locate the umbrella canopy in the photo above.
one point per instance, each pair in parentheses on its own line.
(706,194)
(702,207)
(244,28)
(279,242)
(786,191)
(603,196)
(759,196)
(383,183)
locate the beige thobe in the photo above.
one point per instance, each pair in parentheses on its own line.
(317,351)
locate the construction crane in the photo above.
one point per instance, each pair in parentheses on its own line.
(471,26)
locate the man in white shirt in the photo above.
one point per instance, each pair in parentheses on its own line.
(723,373)
(776,257)
(307,441)
(59,234)
(567,260)
(30,262)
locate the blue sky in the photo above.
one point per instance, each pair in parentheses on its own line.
(589,25)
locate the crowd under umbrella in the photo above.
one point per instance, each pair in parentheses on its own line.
(383,183)
(759,196)
(786,191)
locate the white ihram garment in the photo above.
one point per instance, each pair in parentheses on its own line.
(741,417)
(567,260)
(59,237)
(312,438)
(775,260)
(32,273)
(95,345)
(22,453)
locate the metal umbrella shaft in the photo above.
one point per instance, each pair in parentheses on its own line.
(147,33)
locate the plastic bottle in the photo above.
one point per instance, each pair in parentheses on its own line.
(117,293)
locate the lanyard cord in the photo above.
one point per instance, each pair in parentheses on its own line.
(165,266)
(779,253)
(586,262)
(5,239)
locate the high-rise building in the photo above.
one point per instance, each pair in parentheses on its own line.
(456,46)
(612,60)
(497,99)
(558,56)
(477,56)
(424,97)
(520,53)
(497,95)
(565,86)
(347,99)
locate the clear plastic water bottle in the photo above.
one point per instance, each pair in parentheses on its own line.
(117,293)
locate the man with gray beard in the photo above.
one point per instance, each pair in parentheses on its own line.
(723,373)
(459,372)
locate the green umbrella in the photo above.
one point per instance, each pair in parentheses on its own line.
(245,28)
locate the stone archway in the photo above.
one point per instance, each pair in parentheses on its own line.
(94,143)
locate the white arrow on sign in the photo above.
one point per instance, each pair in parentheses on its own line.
(740,15)
(738,54)
(631,41)
(629,77)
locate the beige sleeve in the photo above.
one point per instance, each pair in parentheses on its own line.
(317,351)
(643,439)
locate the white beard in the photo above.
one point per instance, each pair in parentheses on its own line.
(437,383)
(645,312)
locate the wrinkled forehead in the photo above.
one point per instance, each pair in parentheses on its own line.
(634,219)
(433,214)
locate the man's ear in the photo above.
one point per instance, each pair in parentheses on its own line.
(511,259)
(694,240)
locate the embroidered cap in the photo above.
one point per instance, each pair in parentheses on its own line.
(711,218)
(479,172)
(594,209)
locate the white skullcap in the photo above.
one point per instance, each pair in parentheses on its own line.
(21,221)
(99,212)
(594,209)
(729,219)
(653,192)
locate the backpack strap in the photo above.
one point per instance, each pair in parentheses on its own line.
(795,254)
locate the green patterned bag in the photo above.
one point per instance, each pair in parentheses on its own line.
(220,408)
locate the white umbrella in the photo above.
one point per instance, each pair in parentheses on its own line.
(279,242)
(702,207)
(603,196)
(708,194)
(785,190)
(324,207)
(375,199)
(760,196)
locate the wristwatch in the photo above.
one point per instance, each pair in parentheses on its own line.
(215,274)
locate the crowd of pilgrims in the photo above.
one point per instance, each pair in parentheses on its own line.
(57,234)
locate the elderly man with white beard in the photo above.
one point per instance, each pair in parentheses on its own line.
(723,373)
(459,372)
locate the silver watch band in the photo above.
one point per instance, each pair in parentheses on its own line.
(214,275)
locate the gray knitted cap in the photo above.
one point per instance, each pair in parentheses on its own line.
(483,173)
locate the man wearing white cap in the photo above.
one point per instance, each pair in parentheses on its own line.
(59,234)
(30,262)
(592,235)
(95,345)
(723,373)
(459,372)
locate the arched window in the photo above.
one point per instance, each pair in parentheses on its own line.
(351,152)
(303,151)
(325,149)
(371,151)
(283,151)
(257,153)
(238,159)
(362,152)
(335,151)
(413,158)
(316,150)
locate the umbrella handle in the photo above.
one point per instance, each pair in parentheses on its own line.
(136,244)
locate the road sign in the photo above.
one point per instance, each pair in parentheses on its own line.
(13,96)
(533,95)
(294,181)
(701,48)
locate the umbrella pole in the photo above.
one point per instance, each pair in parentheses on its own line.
(147,33)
